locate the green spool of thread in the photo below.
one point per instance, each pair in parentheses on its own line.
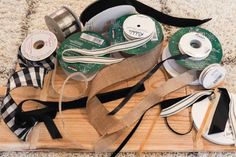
(82,40)
(116,35)
(215,55)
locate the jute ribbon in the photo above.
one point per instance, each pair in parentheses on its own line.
(111,128)
(111,75)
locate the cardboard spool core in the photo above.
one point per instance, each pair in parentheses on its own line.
(39,44)
(195,44)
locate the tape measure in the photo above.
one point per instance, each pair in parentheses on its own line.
(131,27)
(81,40)
(203,47)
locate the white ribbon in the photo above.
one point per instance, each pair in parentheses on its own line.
(93,56)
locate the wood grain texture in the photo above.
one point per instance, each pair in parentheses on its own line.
(78,134)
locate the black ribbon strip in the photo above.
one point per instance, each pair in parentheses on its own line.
(163,104)
(101,5)
(48,113)
(176,132)
(221,114)
(136,87)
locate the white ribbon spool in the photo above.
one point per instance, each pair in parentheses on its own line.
(199,110)
(138,26)
(212,76)
(101,21)
(39,45)
(93,56)
(195,45)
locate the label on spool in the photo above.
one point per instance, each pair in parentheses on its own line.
(117,35)
(215,56)
(212,76)
(138,26)
(82,40)
(39,45)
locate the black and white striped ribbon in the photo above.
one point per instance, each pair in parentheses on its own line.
(184,103)
(47,63)
(32,74)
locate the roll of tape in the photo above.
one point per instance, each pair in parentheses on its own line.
(81,40)
(63,23)
(131,27)
(195,37)
(39,45)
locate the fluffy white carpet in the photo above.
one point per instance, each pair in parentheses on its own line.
(20,17)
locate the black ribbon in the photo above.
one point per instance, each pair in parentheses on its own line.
(136,87)
(163,104)
(221,114)
(101,5)
(48,113)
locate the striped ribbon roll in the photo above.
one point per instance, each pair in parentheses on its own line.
(94,55)
(63,22)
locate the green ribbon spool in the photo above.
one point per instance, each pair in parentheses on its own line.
(83,40)
(215,55)
(116,35)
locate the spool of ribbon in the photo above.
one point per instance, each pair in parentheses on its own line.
(63,22)
(218,128)
(36,57)
(82,40)
(136,34)
(118,125)
(205,54)
(41,46)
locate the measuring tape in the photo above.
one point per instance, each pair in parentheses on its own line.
(63,22)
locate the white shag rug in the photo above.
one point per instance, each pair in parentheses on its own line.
(20,17)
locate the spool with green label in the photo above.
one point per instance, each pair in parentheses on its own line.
(202,46)
(82,40)
(142,24)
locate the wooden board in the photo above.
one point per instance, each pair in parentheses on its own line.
(78,134)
